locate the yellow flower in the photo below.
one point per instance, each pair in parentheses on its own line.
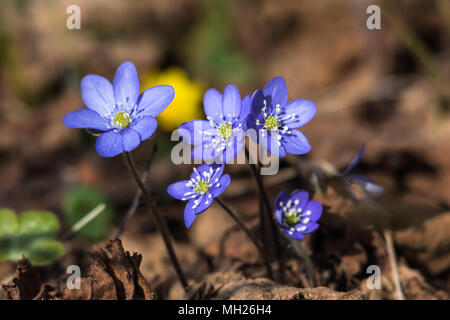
(186,105)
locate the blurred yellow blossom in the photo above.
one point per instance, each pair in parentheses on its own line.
(187,104)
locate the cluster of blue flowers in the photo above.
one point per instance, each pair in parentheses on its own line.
(222,136)
(125,118)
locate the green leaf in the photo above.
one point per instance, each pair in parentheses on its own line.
(38,224)
(9,224)
(44,251)
(78,202)
(30,234)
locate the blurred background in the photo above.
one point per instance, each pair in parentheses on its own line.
(388,88)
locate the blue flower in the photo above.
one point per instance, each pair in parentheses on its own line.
(369,187)
(124,116)
(275,120)
(297,215)
(205,184)
(221,137)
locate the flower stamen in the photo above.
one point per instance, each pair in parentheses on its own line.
(225,130)
(202,186)
(292,217)
(272,122)
(121,119)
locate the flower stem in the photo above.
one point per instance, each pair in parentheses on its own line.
(307,259)
(248,233)
(274,228)
(159,221)
(137,196)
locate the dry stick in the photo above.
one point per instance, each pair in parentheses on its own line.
(159,221)
(134,205)
(387,233)
(84,221)
(273,226)
(248,233)
(393,261)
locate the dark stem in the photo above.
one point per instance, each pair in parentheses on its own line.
(269,215)
(263,225)
(137,196)
(248,233)
(159,221)
(307,259)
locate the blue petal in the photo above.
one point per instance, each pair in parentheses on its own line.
(190,212)
(231,104)
(189,215)
(205,202)
(97,94)
(298,235)
(246,106)
(231,152)
(311,228)
(145,126)
(304,110)
(206,168)
(218,171)
(126,84)
(212,104)
(283,197)
(196,132)
(154,100)
(302,197)
(316,210)
(131,139)
(178,189)
(372,189)
(85,119)
(296,143)
(277,89)
(355,160)
(109,144)
(270,144)
(251,129)
(257,105)
(203,152)
(224,181)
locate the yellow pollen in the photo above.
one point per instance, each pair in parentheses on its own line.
(272,122)
(225,130)
(122,119)
(292,217)
(201,187)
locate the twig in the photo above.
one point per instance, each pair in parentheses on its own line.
(84,221)
(393,262)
